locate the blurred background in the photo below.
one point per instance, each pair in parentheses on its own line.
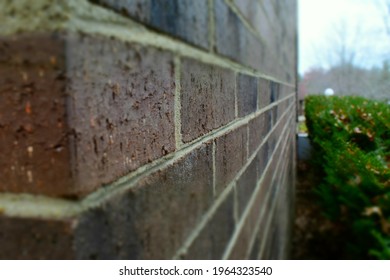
(344,46)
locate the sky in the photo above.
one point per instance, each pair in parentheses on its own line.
(323,24)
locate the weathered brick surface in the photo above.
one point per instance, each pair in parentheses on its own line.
(230,156)
(256,17)
(264,93)
(212,241)
(245,186)
(34,134)
(28,238)
(207,98)
(121,109)
(237,44)
(152,219)
(185,19)
(246,94)
(258,129)
(260,210)
(81,112)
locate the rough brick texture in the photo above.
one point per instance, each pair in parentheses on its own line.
(207,94)
(230,156)
(185,19)
(246,95)
(152,219)
(80,121)
(147,129)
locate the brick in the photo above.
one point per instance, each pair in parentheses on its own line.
(81,112)
(207,98)
(152,219)
(256,16)
(242,249)
(185,19)
(257,132)
(245,186)
(211,242)
(264,93)
(246,94)
(239,43)
(33,238)
(122,107)
(230,156)
(34,134)
(274,91)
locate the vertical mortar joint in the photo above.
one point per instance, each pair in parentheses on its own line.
(177,104)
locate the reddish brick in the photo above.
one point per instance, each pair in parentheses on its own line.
(34,133)
(230,156)
(32,238)
(81,112)
(152,219)
(246,94)
(207,98)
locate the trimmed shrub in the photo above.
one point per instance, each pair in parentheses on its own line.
(351,141)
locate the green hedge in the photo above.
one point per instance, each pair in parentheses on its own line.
(351,141)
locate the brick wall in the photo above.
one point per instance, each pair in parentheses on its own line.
(147,129)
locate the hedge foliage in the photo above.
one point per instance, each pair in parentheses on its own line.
(351,143)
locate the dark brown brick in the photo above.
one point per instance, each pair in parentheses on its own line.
(257,132)
(33,238)
(256,16)
(185,19)
(239,43)
(121,109)
(257,213)
(245,186)
(230,156)
(34,133)
(213,239)
(264,93)
(81,111)
(246,94)
(152,219)
(207,98)
(274,91)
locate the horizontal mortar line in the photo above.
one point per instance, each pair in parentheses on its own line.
(262,210)
(269,222)
(235,123)
(267,227)
(149,37)
(244,216)
(167,160)
(243,19)
(221,198)
(207,217)
(272,214)
(31,205)
(246,213)
(100,20)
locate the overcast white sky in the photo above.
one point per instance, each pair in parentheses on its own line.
(318,20)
